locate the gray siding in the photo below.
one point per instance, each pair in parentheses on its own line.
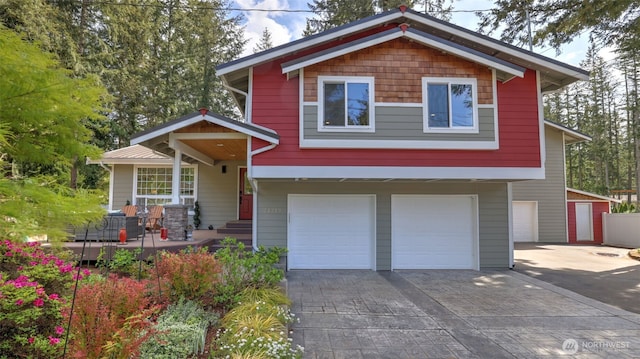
(122,186)
(400,123)
(550,193)
(216,194)
(492,207)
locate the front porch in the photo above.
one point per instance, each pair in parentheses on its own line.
(150,242)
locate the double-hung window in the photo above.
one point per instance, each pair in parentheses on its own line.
(345,103)
(450,104)
(153,186)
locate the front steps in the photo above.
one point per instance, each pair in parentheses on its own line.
(241,230)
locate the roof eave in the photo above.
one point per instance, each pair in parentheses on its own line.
(573,135)
(414,35)
(171,126)
(571,73)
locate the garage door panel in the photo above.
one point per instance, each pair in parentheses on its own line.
(433,232)
(331,232)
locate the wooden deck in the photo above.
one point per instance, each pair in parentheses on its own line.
(151,243)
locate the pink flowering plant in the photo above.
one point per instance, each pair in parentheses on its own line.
(34,291)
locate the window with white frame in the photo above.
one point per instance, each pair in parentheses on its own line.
(345,103)
(450,104)
(153,186)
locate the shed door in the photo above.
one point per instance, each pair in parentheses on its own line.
(433,232)
(525,221)
(584,222)
(331,231)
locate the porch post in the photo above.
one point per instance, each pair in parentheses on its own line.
(175,178)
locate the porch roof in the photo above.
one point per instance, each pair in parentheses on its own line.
(204,137)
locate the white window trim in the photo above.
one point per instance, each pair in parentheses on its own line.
(449,80)
(134,192)
(346,79)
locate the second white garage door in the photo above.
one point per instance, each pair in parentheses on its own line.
(434,232)
(331,231)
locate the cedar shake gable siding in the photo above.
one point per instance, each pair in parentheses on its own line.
(398,67)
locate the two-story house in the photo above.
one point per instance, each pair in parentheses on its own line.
(388,143)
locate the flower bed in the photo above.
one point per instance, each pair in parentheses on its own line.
(170,310)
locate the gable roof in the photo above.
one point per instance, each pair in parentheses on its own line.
(412,34)
(135,154)
(554,74)
(248,129)
(211,138)
(571,136)
(577,195)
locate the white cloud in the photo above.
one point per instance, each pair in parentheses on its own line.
(283,26)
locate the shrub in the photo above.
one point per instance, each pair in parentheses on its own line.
(105,315)
(181,332)
(243,269)
(273,296)
(190,274)
(624,207)
(34,290)
(123,262)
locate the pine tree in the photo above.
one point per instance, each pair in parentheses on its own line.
(560,21)
(265,42)
(332,13)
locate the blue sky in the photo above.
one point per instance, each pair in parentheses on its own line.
(288,26)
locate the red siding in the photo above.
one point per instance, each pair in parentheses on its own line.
(275,105)
(597,208)
(571,222)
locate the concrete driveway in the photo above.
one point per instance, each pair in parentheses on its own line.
(452,314)
(603,273)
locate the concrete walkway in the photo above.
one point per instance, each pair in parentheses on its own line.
(453,314)
(603,273)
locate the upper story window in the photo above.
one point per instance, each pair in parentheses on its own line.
(153,186)
(345,103)
(450,104)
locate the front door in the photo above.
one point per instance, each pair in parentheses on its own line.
(246,196)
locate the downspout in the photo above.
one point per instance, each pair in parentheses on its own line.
(254,186)
(247,115)
(253,182)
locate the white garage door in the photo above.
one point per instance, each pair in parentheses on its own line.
(433,232)
(525,221)
(331,231)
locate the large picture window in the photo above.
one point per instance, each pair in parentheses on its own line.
(450,104)
(345,103)
(153,186)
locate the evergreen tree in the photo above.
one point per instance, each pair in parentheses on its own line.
(265,42)
(440,9)
(560,21)
(332,13)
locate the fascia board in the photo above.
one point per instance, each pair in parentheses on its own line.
(492,43)
(260,132)
(304,43)
(418,36)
